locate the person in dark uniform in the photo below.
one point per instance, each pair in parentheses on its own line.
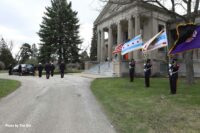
(62,69)
(10,69)
(20,70)
(52,69)
(47,69)
(173,75)
(40,68)
(147,72)
(132,69)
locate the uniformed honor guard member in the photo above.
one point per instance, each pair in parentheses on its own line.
(20,70)
(147,72)
(10,69)
(52,69)
(47,69)
(40,68)
(132,70)
(173,75)
(62,69)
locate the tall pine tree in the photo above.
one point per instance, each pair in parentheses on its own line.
(93,49)
(5,54)
(59,33)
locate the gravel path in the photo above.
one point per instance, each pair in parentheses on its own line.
(52,106)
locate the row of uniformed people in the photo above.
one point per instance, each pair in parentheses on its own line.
(49,68)
(173,73)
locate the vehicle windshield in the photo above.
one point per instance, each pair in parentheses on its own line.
(23,65)
(16,67)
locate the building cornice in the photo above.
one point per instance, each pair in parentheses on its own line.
(146,6)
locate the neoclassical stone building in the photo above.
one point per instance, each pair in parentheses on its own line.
(118,23)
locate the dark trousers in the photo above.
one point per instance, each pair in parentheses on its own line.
(173,84)
(131,74)
(47,75)
(52,73)
(10,72)
(62,74)
(40,73)
(147,80)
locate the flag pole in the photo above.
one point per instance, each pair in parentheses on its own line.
(167,52)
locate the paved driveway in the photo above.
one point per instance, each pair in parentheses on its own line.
(52,106)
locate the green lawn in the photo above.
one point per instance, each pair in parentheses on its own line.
(132,108)
(8,86)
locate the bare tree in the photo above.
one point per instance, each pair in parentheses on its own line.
(187,12)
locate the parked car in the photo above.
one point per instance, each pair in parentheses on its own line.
(27,69)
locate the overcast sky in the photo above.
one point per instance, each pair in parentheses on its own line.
(20,19)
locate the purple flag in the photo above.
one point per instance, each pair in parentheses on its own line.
(189,43)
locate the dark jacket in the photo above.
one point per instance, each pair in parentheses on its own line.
(52,67)
(40,67)
(48,67)
(62,67)
(147,69)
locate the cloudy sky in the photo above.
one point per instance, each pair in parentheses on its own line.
(20,19)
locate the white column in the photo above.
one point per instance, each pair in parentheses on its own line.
(137,32)
(130,34)
(98,45)
(119,37)
(102,45)
(110,42)
(119,33)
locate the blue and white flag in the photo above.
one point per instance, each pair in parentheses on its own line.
(158,41)
(132,45)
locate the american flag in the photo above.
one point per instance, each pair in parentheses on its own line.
(118,49)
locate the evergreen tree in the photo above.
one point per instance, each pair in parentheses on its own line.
(26,52)
(93,49)
(3,44)
(59,33)
(5,54)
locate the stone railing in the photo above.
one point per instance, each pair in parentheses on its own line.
(89,64)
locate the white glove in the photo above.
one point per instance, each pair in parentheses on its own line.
(170,72)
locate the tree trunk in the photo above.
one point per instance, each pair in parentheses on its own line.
(189,67)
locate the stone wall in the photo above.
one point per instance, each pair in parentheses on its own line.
(89,64)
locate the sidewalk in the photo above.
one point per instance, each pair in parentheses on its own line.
(92,76)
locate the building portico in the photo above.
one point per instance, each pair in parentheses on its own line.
(121,23)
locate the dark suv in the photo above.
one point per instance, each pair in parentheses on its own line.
(27,69)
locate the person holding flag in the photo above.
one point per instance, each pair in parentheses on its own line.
(188,38)
(147,72)
(173,75)
(132,69)
(156,42)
